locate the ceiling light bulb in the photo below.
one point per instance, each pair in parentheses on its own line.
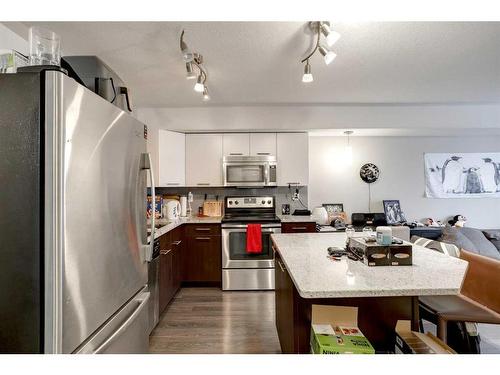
(190,74)
(307,77)
(199,87)
(330,35)
(206,97)
(328,55)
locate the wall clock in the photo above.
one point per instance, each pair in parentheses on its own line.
(369,173)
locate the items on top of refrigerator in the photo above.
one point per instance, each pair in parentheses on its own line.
(10,60)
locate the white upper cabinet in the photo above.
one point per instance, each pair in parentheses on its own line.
(204,159)
(263,144)
(236,144)
(293,158)
(172,157)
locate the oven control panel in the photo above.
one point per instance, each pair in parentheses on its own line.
(250,202)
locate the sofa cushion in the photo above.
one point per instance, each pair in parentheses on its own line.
(442,247)
(479,240)
(493,235)
(454,236)
(470,239)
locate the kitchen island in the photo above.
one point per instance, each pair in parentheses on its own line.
(306,276)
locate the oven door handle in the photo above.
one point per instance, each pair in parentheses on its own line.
(244,226)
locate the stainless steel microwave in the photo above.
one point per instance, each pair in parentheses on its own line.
(249,171)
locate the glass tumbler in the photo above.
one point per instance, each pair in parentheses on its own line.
(45,47)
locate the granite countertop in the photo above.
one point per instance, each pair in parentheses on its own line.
(296,219)
(184,220)
(315,276)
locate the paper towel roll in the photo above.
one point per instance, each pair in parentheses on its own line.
(183,206)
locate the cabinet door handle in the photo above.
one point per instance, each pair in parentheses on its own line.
(293,183)
(281,266)
(263,153)
(203,184)
(299,228)
(202,238)
(176,243)
(165,252)
(235,153)
(202,229)
(173,183)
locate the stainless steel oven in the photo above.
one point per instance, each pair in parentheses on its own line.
(242,270)
(249,171)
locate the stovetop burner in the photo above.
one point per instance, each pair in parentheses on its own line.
(252,209)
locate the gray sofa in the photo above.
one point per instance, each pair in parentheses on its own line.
(478,241)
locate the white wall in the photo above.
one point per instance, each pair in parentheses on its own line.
(10,40)
(401,163)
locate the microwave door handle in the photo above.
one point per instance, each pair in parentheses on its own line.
(266,174)
(147,249)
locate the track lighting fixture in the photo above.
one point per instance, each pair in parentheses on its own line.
(190,74)
(199,86)
(330,35)
(328,55)
(307,77)
(206,97)
(194,61)
(320,28)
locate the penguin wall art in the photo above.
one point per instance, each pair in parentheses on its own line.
(462,175)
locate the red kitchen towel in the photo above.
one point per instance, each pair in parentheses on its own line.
(254,239)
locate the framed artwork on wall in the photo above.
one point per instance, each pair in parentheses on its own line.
(334,210)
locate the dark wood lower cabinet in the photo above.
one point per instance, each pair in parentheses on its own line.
(377,316)
(188,253)
(203,259)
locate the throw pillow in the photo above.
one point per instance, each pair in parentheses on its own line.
(482,244)
(442,247)
(454,236)
(493,235)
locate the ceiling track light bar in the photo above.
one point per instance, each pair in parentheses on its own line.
(195,60)
(319,28)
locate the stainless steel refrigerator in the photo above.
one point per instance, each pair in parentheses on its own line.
(73,236)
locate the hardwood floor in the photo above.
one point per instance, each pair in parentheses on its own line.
(207,320)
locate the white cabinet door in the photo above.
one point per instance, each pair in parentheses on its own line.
(293,158)
(204,160)
(263,144)
(172,158)
(236,144)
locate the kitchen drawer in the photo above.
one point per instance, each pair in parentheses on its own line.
(307,227)
(193,230)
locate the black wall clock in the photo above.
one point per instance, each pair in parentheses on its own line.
(369,173)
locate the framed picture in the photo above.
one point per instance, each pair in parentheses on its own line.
(334,210)
(393,213)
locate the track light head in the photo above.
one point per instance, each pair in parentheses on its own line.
(190,74)
(307,77)
(206,96)
(328,55)
(331,36)
(199,86)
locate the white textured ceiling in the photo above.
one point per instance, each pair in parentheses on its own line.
(258,63)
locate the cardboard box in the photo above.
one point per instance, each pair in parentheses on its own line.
(378,255)
(334,330)
(411,342)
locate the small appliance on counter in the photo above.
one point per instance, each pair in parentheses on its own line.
(320,215)
(172,209)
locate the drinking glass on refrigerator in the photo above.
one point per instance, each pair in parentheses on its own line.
(45,47)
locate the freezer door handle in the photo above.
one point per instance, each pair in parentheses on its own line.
(147,249)
(143,301)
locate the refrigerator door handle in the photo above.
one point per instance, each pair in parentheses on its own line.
(147,249)
(143,300)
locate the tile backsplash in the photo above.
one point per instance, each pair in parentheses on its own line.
(283,195)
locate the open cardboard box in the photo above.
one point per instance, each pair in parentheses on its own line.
(411,342)
(334,330)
